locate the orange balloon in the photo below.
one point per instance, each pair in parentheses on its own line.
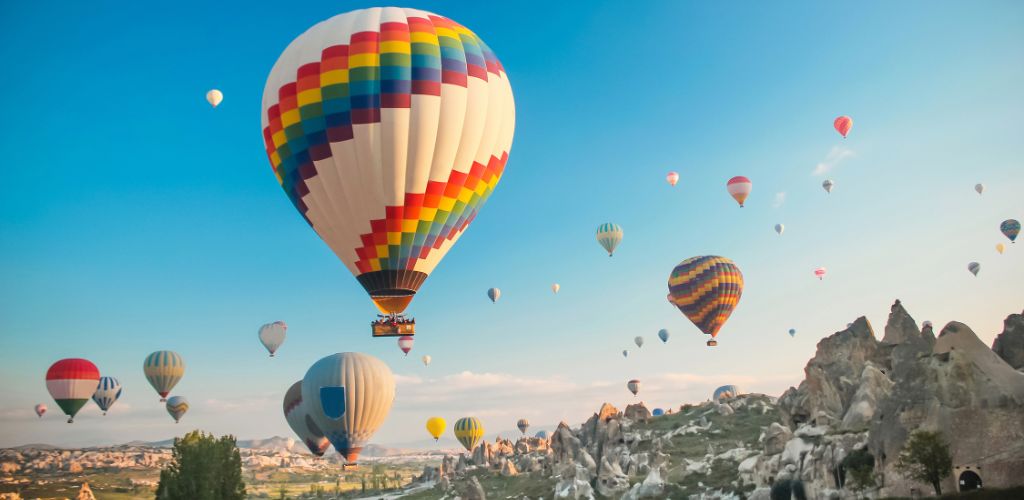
(843,124)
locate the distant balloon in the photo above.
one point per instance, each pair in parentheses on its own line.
(739,188)
(1010,229)
(214,97)
(348,395)
(792,332)
(71,382)
(107,393)
(926,324)
(827,184)
(663,335)
(779,228)
(40,409)
(657,412)
(625,353)
(272,335)
(843,124)
(523,424)
(176,407)
(672,178)
(555,288)
(633,386)
(820,272)
(980,188)
(706,289)
(609,236)
(163,370)
(974,267)
(469,431)
(639,341)
(725,392)
(541,435)
(436,427)
(426,359)
(405,343)
(297,416)
(1000,247)
(494,294)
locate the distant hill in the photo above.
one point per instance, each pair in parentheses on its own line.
(274,443)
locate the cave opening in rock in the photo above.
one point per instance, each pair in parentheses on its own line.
(969,481)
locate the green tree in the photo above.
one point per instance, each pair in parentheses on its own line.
(202,468)
(860,470)
(926,458)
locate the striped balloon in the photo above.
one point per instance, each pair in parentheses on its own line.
(272,335)
(974,268)
(739,188)
(523,424)
(163,370)
(405,343)
(176,407)
(1010,229)
(302,425)
(107,393)
(725,392)
(609,235)
(494,294)
(469,431)
(820,273)
(633,386)
(843,124)
(71,382)
(706,290)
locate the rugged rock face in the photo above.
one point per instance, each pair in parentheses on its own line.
(1009,345)
(85,493)
(637,412)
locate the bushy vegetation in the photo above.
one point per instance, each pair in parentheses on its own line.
(926,458)
(202,468)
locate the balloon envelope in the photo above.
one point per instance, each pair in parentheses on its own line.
(792,332)
(555,288)
(388,129)
(176,407)
(672,178)
(523,424)
(1010,228)
(609,235)
(302,424)
(426,360)
(725,392)
(436,427)
(633,386)
(469,431)
(541,435)
(163,370)
(820,272)
(658,412)
(272,335)
(706,289)
(739,188)
(625,353)
(494,294)
(214,97)
(980,188)
(71,382)
(843,124)
(107,393)
(348,395)
(405,343)
(663,335)
(974,267)
(639,341)
(827,184)
(40,409)
(1000,247)
(779,228)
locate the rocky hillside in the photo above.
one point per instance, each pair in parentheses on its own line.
(860,393)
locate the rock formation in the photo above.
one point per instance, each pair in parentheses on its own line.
(1009,345)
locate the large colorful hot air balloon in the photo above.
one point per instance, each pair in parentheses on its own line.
(663,335)
(349,395)
(71,382)
(388,129)
(40,409)
(779,228)
(436,427)
(1010,229)
(706,289)
(609,235)
(827,184)
(843,124)
(820,273)
(980,188)
(672,178)
(555,287)
(523,424)
(107,393)
(214,97)
(163,370)
(494,294)
(739,188)
(639,341)
(974,267)
(633,386)
(272,335)
(426,360)
(176,407)
(302,424)
(1000,248)
(405,343)
(725,392)
(469,431)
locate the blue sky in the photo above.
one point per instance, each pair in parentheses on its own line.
(138,218)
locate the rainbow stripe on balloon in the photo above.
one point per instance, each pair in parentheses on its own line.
(706,289)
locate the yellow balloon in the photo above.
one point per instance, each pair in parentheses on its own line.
(1000,247)
(436,426)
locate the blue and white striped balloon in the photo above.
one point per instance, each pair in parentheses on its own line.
(107,393)
(609,235)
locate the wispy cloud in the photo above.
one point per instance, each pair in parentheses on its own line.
(780,198)
(835,156)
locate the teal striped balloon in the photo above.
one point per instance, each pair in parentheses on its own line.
(609,235)
(163,370)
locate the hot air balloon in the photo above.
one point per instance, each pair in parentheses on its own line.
(436,427)
(298,418)
(739,188)
(663,335)
(1000,247)
(40,409)
(388,129)
(348,395)
(980,188)
(639,341)
(494,294)
(633,386)
(926,325)
(725,392)
(523,424)
(625,353)
(792,332)
(974,267)
(706,290)
(843,124)
(405,343)
(469,431)
(827,184)
(214,97)
(426,360)
(779,228)
(657,412)
(71,382)
(672,178)
(272,335)
(609,235)
(107,393)
(542,435)
(820,273)
(1010,229)
(176,407)
(555,288)
(163,370)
